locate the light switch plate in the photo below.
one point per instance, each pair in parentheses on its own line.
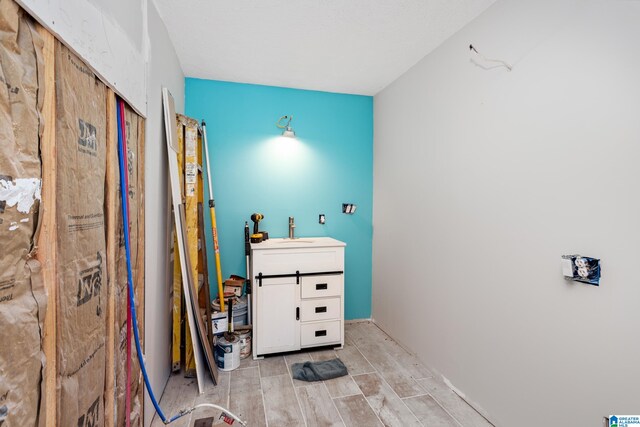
(567,268)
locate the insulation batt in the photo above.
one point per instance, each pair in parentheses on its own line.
(81,242)
(22,296)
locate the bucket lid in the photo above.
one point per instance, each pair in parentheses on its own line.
(239,304)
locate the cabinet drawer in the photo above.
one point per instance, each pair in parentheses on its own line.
(322,286)
(305,260)
(320,309)
(320,333)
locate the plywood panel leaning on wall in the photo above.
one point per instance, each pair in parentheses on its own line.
(22,296)
(81,247)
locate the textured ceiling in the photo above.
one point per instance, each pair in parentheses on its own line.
(347,46)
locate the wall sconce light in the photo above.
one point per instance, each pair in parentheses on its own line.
(288,130)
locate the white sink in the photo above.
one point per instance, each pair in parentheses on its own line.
(304,242)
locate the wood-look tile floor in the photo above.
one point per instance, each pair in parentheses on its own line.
(386,386)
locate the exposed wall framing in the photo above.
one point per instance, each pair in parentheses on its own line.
(78,255)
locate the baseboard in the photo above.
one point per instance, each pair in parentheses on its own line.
(347,322)
(437,373)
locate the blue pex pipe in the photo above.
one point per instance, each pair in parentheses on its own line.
(125,216)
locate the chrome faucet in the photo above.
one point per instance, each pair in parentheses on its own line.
(292,226)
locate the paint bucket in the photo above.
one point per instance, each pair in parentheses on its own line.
(240,310)
(244,338)
(227,354)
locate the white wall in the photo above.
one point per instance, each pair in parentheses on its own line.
(163,70)
(108,34)
(483,178)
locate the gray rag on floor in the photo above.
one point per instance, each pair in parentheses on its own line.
(318,371)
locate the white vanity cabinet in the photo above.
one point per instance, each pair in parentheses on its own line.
(298,294)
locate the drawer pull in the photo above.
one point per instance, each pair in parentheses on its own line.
(322,309)
(321,286)
(297,313)
(322,333)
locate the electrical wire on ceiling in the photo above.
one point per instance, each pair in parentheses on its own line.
(484,58)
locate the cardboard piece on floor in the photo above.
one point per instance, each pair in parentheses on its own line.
(204,422)
(196,324)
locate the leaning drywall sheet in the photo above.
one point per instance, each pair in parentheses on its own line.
(22,297)
(179,221)
(81,264)
(122,295)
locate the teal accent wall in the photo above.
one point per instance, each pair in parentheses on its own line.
(254,169)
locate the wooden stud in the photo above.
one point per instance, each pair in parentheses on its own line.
(48,233)
(140,279)
(112,197)
(140,283)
